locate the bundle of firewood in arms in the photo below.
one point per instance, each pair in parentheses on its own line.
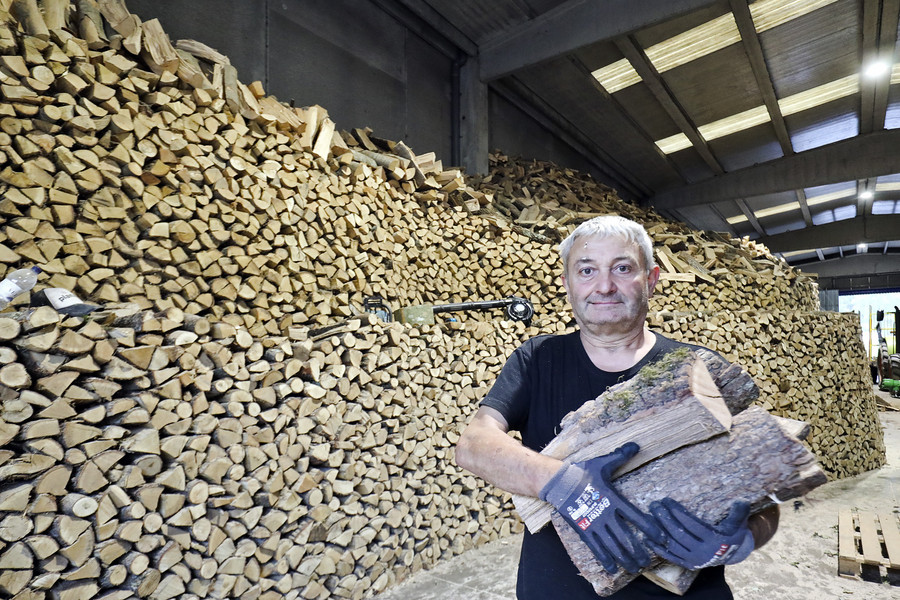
(700,444)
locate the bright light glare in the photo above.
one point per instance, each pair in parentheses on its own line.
(876,69)
(861,248)
(866,195)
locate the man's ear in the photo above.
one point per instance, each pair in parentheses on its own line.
(563,279)
(652,279)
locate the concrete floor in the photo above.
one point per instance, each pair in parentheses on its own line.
(800,563)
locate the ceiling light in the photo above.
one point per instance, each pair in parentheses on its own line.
(836,195)
(866,195)
(876,69)
(783,208)
(793,253)
(862,248)
(841,88)
(674,143)
(895,74)
(734,123)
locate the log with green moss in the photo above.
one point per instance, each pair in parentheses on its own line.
(671,403)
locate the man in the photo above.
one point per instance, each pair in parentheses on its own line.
(609,275)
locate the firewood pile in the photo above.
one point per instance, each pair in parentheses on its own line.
(231,425)
(164,456)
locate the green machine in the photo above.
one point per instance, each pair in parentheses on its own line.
(892,386)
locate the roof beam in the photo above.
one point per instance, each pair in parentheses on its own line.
(879,38)
(863,204)
(664,96)
(751,216)
(864,156)
(855,265)
(414,13)
(840,233)
(887,42)
(570,26)
(753,48)
(871,13)
(548,117)
(804,207)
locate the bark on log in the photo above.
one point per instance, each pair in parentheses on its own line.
(758,462)
(669,404)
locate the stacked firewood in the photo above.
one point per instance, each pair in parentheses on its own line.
(162,455)
(229,426)
(129,182)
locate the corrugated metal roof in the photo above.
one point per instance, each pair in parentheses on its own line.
(729,84)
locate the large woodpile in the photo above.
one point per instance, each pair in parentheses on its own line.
(230,426)
(162,455)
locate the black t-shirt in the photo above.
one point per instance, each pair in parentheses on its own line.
(546,378)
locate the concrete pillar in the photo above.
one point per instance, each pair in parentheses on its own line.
(473,119)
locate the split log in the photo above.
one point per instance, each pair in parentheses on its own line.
(759,461)
(29,15)
(667,405)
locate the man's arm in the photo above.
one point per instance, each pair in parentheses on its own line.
(486,449)
(763,525)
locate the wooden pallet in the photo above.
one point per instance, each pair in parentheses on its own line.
(868,543)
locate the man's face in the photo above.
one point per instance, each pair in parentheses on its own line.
(607,284)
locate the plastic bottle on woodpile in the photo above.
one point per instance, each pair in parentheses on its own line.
(16,283)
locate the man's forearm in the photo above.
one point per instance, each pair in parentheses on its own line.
(489,452)
(763,525)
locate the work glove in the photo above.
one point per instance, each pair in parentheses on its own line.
(695,544)
(584,496)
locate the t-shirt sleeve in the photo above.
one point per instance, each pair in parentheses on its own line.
(511,393)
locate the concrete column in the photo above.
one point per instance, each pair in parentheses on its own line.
(473,119)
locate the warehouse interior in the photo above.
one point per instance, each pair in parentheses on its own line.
(708,111)
(304,236)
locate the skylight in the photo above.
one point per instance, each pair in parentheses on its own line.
(694,43)
(704,39)
(756,116)
(772,13)
(783,208)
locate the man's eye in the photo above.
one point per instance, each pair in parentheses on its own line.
(586,270)
(623,269)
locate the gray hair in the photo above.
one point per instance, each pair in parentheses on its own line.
(611,226)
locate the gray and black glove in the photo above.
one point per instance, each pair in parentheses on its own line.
(695,544)
(584,496)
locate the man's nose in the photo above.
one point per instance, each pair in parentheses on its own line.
(604,284)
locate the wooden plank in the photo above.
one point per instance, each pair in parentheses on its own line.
(689,277)
(868,533)
(848,566)
(890,532)
(664,256)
